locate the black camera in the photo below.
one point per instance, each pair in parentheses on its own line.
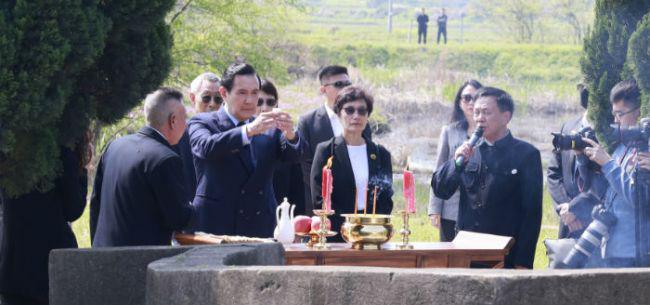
(573,141)
(635,134)
(590,239)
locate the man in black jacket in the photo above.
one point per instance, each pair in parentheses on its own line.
(322,124)
(423,20)
(500,184)
(139,195)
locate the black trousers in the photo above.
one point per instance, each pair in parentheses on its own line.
(422,35)
(442,31)
(447,229)
(15,299)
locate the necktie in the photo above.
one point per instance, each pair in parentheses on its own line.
(247,150)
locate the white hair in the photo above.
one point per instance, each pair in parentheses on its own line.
(198,81)
(160,104)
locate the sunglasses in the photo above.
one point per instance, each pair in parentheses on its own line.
(207,98)
(271,102)
(351,110)
(467,98)
(339,84)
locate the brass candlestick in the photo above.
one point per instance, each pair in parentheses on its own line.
(323,231)
(405,231)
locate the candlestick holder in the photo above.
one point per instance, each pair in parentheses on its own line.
(405,231)
(323,232)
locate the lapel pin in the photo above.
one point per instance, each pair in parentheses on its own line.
(514,171)
(373,156)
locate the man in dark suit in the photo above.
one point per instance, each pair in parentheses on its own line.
(235,154)
(139,195)
(562,182)
(204,97)
(322,124)
(500,183)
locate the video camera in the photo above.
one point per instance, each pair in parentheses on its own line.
(638,135)
(573,141)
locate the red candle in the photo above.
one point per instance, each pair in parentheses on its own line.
(409,191)
(327,186)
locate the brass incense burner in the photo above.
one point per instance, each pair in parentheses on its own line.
(364,231)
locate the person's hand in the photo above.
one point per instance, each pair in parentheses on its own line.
(643,159)
(435,220)
(285,123)
(576,225)
(262,123)
(464,150)
(566,216)
(596,152)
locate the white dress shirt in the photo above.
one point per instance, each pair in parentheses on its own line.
(359,160)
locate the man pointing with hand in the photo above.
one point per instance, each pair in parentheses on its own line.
(235,154)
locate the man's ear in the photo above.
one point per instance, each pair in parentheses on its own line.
(192,98)
(322,89)
(509,116)
(223,92)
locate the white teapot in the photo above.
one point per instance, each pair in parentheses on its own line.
(284,232)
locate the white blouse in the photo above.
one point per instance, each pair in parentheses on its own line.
(359,160)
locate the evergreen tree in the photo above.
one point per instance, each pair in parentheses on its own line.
(65,63)
(639,61)
(605,52)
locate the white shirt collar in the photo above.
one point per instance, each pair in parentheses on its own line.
(337,127)
(234,120)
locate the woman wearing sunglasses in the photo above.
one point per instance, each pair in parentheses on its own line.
(358,164)
(443,213)
(287,177)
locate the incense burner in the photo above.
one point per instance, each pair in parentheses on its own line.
(367,231)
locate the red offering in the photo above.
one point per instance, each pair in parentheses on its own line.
(327,185)
(409,191)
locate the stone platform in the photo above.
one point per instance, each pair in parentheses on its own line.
(253,274)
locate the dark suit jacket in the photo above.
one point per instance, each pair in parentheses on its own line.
(343,190)
(36,223)
(560,176)
(287,182)
(139,195)
(235,194)
(315,128)
(184,150)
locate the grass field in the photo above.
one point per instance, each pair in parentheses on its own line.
(420,226)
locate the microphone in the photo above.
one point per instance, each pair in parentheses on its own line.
(460,161)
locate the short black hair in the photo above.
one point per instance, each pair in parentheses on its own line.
(228,77)
(628,92)
(584,95)
(351,94)
(504,100)
(331,71)
(268,88)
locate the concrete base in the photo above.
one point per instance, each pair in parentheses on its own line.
(220,275)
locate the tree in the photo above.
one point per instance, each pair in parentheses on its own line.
(520,17)
(639,61)
(575,13)
(62,65)
(605,52)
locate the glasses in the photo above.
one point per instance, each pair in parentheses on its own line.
(620,114)
(207,98)
(271,102)
(339,84)
(350,110)
(467,98)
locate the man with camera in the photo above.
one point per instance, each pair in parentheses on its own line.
(619,248)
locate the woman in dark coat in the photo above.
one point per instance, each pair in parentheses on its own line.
(358,165)
(36,223)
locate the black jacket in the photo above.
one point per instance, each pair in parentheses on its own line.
(343,190)
(139,195)
(184,150)
(315,128)
(36,223)
(287,182)
(500,193)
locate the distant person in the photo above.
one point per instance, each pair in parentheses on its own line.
(422,19)
(235,153)
(500,181)
(322,123)
(36,223)
(287,177)
(358,164)
(139,194)
(204,97)
(443,213)
(442,26)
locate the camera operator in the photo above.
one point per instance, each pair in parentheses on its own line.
(619,249)
(564,181)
